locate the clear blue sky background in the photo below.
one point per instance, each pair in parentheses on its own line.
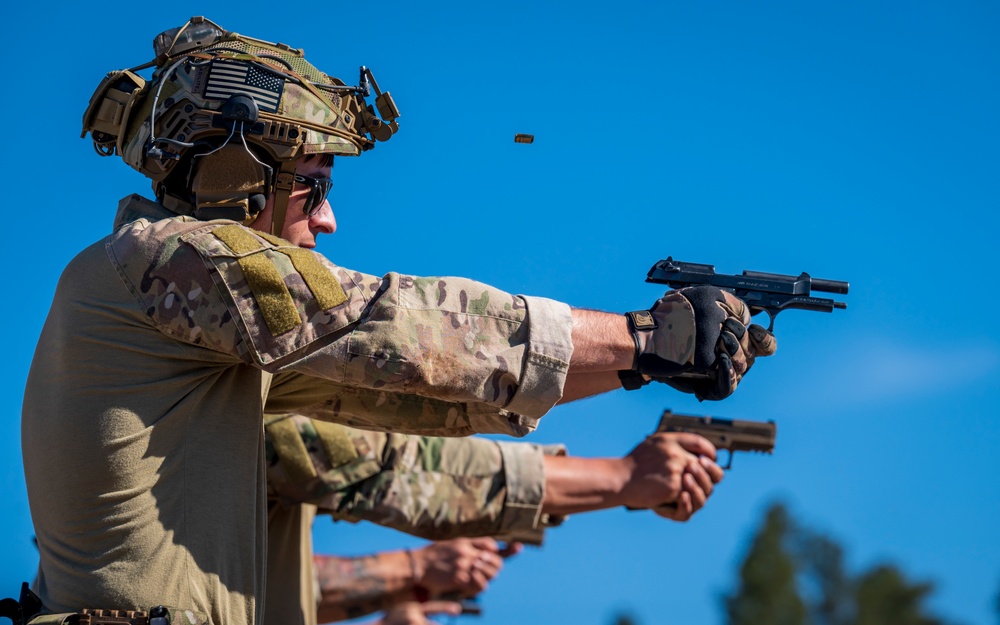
(854,140)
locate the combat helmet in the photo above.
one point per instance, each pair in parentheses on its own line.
(219,125)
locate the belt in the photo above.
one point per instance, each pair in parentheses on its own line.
(27,611)
(159,615)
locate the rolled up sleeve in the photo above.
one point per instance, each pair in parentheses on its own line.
(523,519)
(547,360)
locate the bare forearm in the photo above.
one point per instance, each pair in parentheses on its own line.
(601,342)
(583,484)
(582,385)
(352,587)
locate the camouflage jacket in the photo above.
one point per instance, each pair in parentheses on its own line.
(444,356)
(431,487)
(142,415)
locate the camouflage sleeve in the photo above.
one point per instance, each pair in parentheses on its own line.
(525,476)
(282,308)
(376,409)
(435,488)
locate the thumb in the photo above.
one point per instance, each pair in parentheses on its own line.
(763,341)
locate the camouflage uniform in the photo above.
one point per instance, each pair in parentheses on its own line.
(436,488)
(431,487)
(141,428)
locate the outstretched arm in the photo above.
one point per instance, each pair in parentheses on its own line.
(352,587)
(671,473)
(480,487)
(601,342)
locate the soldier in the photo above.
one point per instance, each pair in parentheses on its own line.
(441,488)
(141,420)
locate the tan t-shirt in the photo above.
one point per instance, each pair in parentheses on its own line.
(142,418)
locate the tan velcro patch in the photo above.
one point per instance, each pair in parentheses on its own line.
(265,281)
(275,302)
(324,286)
(291,450)
(238,239)
(336,442)
(642,320)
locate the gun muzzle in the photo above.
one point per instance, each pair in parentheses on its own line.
(830,286)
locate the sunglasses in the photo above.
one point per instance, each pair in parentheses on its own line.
(319,188)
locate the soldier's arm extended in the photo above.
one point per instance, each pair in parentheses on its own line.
(441,487)
(444,488)
(431,487)
(354,586)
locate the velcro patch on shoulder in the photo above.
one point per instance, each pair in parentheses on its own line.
(291,450)
(336,442)
(280,297)
(276,303)
(324,286)
(238,239)
(265,281)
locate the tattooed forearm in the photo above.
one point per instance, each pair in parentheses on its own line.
(352,587)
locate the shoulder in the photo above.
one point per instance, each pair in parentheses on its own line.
(147,243)
(280,297)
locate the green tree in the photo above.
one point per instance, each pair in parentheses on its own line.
(821,570)
(767,590)
(793,575)
(884,597)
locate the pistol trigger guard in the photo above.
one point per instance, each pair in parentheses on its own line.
(729,460)
(756,310)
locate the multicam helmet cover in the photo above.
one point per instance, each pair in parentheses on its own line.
(212,89)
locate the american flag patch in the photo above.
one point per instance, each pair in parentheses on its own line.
(228,78)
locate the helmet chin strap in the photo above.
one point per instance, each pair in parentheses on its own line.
(284,182)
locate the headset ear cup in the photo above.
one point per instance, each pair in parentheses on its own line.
(229,183)
(255,204)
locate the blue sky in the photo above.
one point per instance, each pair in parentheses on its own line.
(853,140)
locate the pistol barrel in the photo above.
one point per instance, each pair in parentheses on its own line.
(830,286)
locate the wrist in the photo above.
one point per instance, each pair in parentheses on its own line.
(417,566)
(632,380)
(640,324)
(622,470)
(575,485)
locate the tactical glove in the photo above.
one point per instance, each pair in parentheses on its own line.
(698,340)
